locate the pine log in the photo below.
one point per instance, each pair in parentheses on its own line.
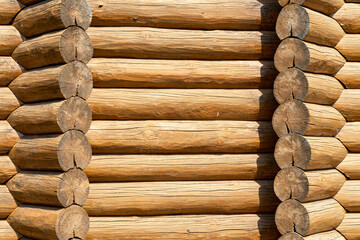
(331,235)
(349,47)
(10,38)
(58,82)
(311,26)
(348,16)
(309,153)
(48,16)
(350,226)
(350,167)
(127,168)
(166,198)
(50,188)
(52,152)
(349,196)
(7,233)
(50,223)
(52,117)
(182,104)
(29,2)
(9,69)
(8,169)
(8,10)
(294,183)
(181,137)
(308,218)
(7,203)
(350,136)
(140,73)
(307,119)
(324,6)
(293,52)
(314,88)
(349,75)
(9,137)
(55,48)
(205,14)
(8,102)
(142,42)
(349,104)
(224,227)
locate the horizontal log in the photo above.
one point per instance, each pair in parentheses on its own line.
(309,153)
(350,167)
(294,183)
(29,2)
(331,235)
(350,226)
(293,52)
(50,223)
(8,10)
(58,82)
(349,75)
(182,104)
(208,14)
(307,119)
(8,102)
(148,73)
(349,196)
(52,117)
(112,137)
(48,16)
(7,233)
(50,188)
(311,26)
(325,6)
(141,42)
(9,137)
(224,227)
(55,48)
(127,168)
(9,69)
(347,16)
(10,38)
(348,104)
(8,169)
(308,218)
(349,47)
(7,203)
(350,136)
(166,198)
(52,152)
(308,87)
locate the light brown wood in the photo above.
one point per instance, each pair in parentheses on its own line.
(350,136)
(111,137)
(348,104)
(142,42)
(126,168)
(308,218)
(348,16)
(7,203)
(8,169)
(349,196)
(58,82)
(8,10)
(29,2)
(294,183)
(307,119)
(9,69)
(50,223)
(10,38)
(55,48)
(148,73)
(182,104)
(325,6)
(6,232)
(52,152)
(293,52)
(48,16)
(350,167)
(331,235)
(308,87)
(349,47)
(197,227)
(52,117)
(9,137)
(350,226)
(188,14)
(349,75)
(184,197)
(50,188)
(309,153)
(311,26)
(8,102)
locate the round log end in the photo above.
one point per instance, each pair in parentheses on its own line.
(292,150)
(285,2)
(73,222)
(290,117)
(291,236)
(75,80)
(291,183)
(75,13)
(293,21)
(73,188)
(292,216)
(291,84)
(74,150)
(292,52)
(75,44)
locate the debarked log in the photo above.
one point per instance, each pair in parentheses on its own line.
(349,196)
(350,167)
(330,235)
(8,169)
(349,47)
(8,102)
(7,203)
(348,16)
(9,137)
(325,6)
(349,75)
(9,69)
(8,10)
(10,38)
(350,226)
(6,231)
(350,136)
(349,104)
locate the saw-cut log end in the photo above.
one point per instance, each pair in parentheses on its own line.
(75,13)
(291,183)
(285,2)
(292,52)
(293,21)
(73,222)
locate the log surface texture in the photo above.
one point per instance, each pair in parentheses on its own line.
(349,47)
(324,6)
(8,102)
(7,203)
(10,38)
(9,69)
(349,196)
(8,169)
(348,16)
(9,137)
(350,226)
(8,10)
(7,232)
(350,166)
(349,75)
(350,136)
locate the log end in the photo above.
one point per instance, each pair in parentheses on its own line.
(73,188)
(291,183)
(75,13)
(73,222)
(293,21)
